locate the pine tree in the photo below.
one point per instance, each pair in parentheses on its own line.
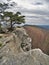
(14,18)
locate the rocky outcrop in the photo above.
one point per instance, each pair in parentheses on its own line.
(16,50)
(25,39)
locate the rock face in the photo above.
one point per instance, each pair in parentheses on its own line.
(16,50)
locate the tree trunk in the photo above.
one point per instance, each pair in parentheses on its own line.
(11,28)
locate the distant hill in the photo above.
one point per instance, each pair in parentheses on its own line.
(40,37)
(40,26)
(44,26)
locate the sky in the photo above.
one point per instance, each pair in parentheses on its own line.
(36,11)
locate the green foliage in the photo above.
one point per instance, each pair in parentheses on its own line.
(1,5)
(20,20)
(8,14)
(17,18)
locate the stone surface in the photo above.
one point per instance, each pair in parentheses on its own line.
(11,53)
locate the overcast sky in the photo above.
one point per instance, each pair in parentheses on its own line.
(36,11)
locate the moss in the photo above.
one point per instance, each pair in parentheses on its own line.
(0,44)
(0,57)
(0,36)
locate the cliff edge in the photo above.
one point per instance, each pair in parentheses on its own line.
(16,50)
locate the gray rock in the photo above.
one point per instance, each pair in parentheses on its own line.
(36,58)
(13,54)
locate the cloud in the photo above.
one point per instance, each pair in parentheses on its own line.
(36,11)
(2,1)
(47,1)
(38,3)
